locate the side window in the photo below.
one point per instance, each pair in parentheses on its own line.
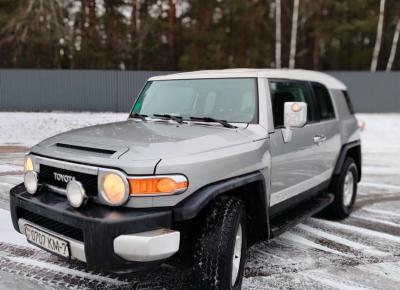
(324,102)
(283,91)
(348,101)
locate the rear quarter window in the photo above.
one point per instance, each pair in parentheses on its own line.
(324,101)
(348,101)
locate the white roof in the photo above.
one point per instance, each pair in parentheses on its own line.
(294,74)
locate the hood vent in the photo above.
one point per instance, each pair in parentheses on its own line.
(85,149)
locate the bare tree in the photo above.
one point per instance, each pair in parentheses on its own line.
(394,47)
(172,30)
(143,30)
(293,38)
(378,42)
(278,32)
(316,50)
(38,26)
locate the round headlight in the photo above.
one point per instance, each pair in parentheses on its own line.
(28,164)
(31,182)
(75,193)
(115,189)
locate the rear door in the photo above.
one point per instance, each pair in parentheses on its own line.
(296,165)
(330,125)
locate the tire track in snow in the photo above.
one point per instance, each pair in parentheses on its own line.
(380,185)
(331,277)
(370,238)
(299,240)
(337,239)
(387,270)
(333,281)
(55,272)
(360,230)
(65,270)
(34,257)
(375,220)
(381,212)
(47,277)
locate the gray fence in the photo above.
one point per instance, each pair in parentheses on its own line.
(70,90)
(80,90)
(372,92)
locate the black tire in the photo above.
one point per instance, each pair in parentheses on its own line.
(339,209)
(214,246)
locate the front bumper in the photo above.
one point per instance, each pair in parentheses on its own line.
(105,238)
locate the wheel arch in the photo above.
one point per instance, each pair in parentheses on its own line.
(250,188)
(353,150)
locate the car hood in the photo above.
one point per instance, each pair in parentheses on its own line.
(138,140)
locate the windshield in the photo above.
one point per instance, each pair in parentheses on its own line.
(232,99)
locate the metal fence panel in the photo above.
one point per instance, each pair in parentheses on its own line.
(377,92)
(95,90)
(67,90)
(129,84)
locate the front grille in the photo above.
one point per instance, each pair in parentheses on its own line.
(51,225)
(89,181)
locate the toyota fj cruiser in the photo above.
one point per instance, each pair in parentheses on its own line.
(207,161)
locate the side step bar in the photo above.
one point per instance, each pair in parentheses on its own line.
(296,215)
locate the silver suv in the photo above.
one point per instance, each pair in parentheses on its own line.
(207,163)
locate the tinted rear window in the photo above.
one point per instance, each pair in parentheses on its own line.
(348,101)
(324,101)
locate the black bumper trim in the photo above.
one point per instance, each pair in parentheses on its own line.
(100,224)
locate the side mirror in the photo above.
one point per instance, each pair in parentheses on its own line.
(295,116)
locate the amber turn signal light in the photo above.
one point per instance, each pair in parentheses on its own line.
(158,185)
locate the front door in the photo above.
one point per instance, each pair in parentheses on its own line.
(296,165)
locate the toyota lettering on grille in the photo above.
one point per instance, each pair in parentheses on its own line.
(62,177)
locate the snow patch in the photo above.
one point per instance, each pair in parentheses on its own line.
(28,129)
(7,232)
(4,168)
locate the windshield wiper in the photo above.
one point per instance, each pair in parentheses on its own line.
(139,116)
(209,119)
(178,119)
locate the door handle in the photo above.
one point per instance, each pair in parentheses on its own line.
(318,139)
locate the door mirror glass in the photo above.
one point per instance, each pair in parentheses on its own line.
(295,114)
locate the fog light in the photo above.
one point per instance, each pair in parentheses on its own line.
(31,182)
(75,193)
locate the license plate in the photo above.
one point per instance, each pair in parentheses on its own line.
(47,241)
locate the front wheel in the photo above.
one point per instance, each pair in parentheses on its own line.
(220,249)
(344,187)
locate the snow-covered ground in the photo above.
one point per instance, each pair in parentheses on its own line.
(362,252)
(27,129)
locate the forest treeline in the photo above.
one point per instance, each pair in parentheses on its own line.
(200,34)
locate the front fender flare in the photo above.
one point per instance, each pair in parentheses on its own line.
(191,206)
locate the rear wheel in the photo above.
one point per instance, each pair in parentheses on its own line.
(220,249)
(344,187)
